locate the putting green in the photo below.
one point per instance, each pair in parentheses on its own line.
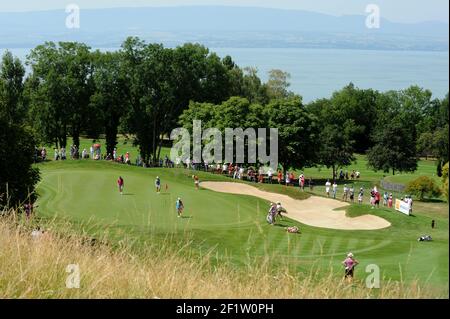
(234,225)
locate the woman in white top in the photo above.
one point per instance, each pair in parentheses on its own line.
(327,187)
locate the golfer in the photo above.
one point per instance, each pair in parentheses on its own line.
(179,206)
(120,184)
(280,210)
(349,263)
(158,184)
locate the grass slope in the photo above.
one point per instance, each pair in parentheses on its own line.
(234,226)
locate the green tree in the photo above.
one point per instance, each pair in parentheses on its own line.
(60,88)
(297,132)
(111,90)
(422,187)
(425,144)
(352,103)
(17,175)
(278,83)
(12,75)
(394,136)
(336,139)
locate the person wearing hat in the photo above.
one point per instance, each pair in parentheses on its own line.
(280,210)
(349,263)
(179,206)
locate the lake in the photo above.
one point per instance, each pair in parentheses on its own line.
(316,73)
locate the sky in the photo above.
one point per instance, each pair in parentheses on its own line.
(406,11)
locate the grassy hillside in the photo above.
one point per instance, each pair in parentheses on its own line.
(37,268)
(232,228)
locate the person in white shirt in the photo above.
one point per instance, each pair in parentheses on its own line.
(327,187)
(269,175)
(241,173)
(345,195)
(91,151)
(83,154)
(334,189)
(188,163)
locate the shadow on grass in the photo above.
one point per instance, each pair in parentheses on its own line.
(431,200)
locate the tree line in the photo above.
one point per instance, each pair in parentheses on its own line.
(146,90)
(393,128)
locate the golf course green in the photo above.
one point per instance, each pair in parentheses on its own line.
(232,227)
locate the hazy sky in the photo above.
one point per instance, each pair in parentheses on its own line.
(394,10)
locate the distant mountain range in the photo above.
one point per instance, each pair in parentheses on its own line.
(220,26)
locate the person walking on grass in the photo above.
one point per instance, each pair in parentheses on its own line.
(158,185)
(179,206)
(327,187)
(120,184)
(349,263)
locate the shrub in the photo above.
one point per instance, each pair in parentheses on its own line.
(445,180)
(422,187)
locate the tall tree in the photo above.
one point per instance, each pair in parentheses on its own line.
(336,141)
(11,88)
(394,136)
(60,89)
(111,91)
(297,132)
(278,84)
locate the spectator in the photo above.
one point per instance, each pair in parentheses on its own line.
(360,195)
(327,187)
(334,189)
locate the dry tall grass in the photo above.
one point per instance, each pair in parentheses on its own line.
(36,268)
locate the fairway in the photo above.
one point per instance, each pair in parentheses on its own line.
(234,226)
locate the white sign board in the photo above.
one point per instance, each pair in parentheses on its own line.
(402,206)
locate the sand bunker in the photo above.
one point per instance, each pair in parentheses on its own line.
(314,211)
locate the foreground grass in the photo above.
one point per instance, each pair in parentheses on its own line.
(36,268)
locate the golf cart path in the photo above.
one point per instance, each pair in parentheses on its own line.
(315,211)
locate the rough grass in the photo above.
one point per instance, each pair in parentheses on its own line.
(36,268)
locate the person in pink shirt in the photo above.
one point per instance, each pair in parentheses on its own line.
(349,263)
(120,184)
